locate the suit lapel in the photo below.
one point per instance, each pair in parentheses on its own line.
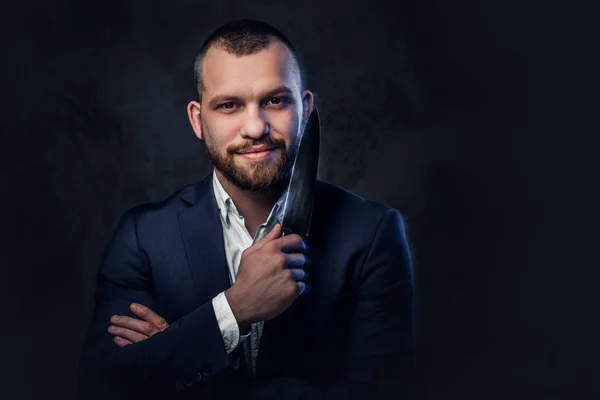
(202,235)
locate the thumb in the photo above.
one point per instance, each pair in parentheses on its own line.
(273,234)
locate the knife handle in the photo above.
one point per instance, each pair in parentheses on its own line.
(285,231)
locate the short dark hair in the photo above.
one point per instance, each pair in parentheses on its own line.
(242,37)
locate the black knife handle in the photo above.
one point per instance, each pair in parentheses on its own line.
(286,231)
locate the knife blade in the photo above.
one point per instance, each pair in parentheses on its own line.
(299,200)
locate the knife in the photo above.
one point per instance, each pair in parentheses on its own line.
(299,195)
(299,200)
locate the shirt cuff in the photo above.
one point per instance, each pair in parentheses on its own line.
(228,325)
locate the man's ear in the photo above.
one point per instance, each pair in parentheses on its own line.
(307,104)
(195,117)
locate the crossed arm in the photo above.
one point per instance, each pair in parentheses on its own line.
(164,358)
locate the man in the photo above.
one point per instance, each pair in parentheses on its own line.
(188,306)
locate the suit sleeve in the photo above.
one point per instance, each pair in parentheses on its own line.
(378,346)
(380,343)
(189,354)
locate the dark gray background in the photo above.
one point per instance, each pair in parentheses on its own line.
(478,120)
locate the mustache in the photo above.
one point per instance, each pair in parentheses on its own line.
(267,141)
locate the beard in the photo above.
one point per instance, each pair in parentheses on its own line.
(257,176)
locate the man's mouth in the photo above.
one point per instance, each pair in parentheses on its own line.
(257,153)
(257,149)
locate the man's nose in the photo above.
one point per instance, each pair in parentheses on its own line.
(255,126)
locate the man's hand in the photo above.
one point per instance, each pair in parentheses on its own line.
(269,278)
(127,330)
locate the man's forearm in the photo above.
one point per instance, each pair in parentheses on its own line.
(188,353)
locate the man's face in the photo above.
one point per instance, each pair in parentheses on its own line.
(250,116)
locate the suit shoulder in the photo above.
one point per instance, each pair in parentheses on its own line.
(333,196)
(166,206)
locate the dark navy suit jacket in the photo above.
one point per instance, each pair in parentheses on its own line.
(350,335)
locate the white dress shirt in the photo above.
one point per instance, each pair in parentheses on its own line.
(237,239)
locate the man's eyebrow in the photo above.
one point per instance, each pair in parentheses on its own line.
(280,89)
(223,98)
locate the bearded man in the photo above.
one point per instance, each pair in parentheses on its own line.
(202,296)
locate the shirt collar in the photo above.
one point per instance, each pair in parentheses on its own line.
(222,197)
(226,206)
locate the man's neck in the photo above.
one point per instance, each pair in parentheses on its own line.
(255,207)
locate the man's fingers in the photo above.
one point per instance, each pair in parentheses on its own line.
(298,274)
(125,333)
(295,260)
(121,342)
(148,315)
(292,244)
(303,288)
(143,327)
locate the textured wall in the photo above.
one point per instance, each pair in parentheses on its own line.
(475,119)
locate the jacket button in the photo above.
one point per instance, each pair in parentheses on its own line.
(178,386)
(206,373)
(199,377)
(188,383)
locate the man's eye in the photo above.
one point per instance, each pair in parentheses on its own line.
(277,101)
(228,106)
